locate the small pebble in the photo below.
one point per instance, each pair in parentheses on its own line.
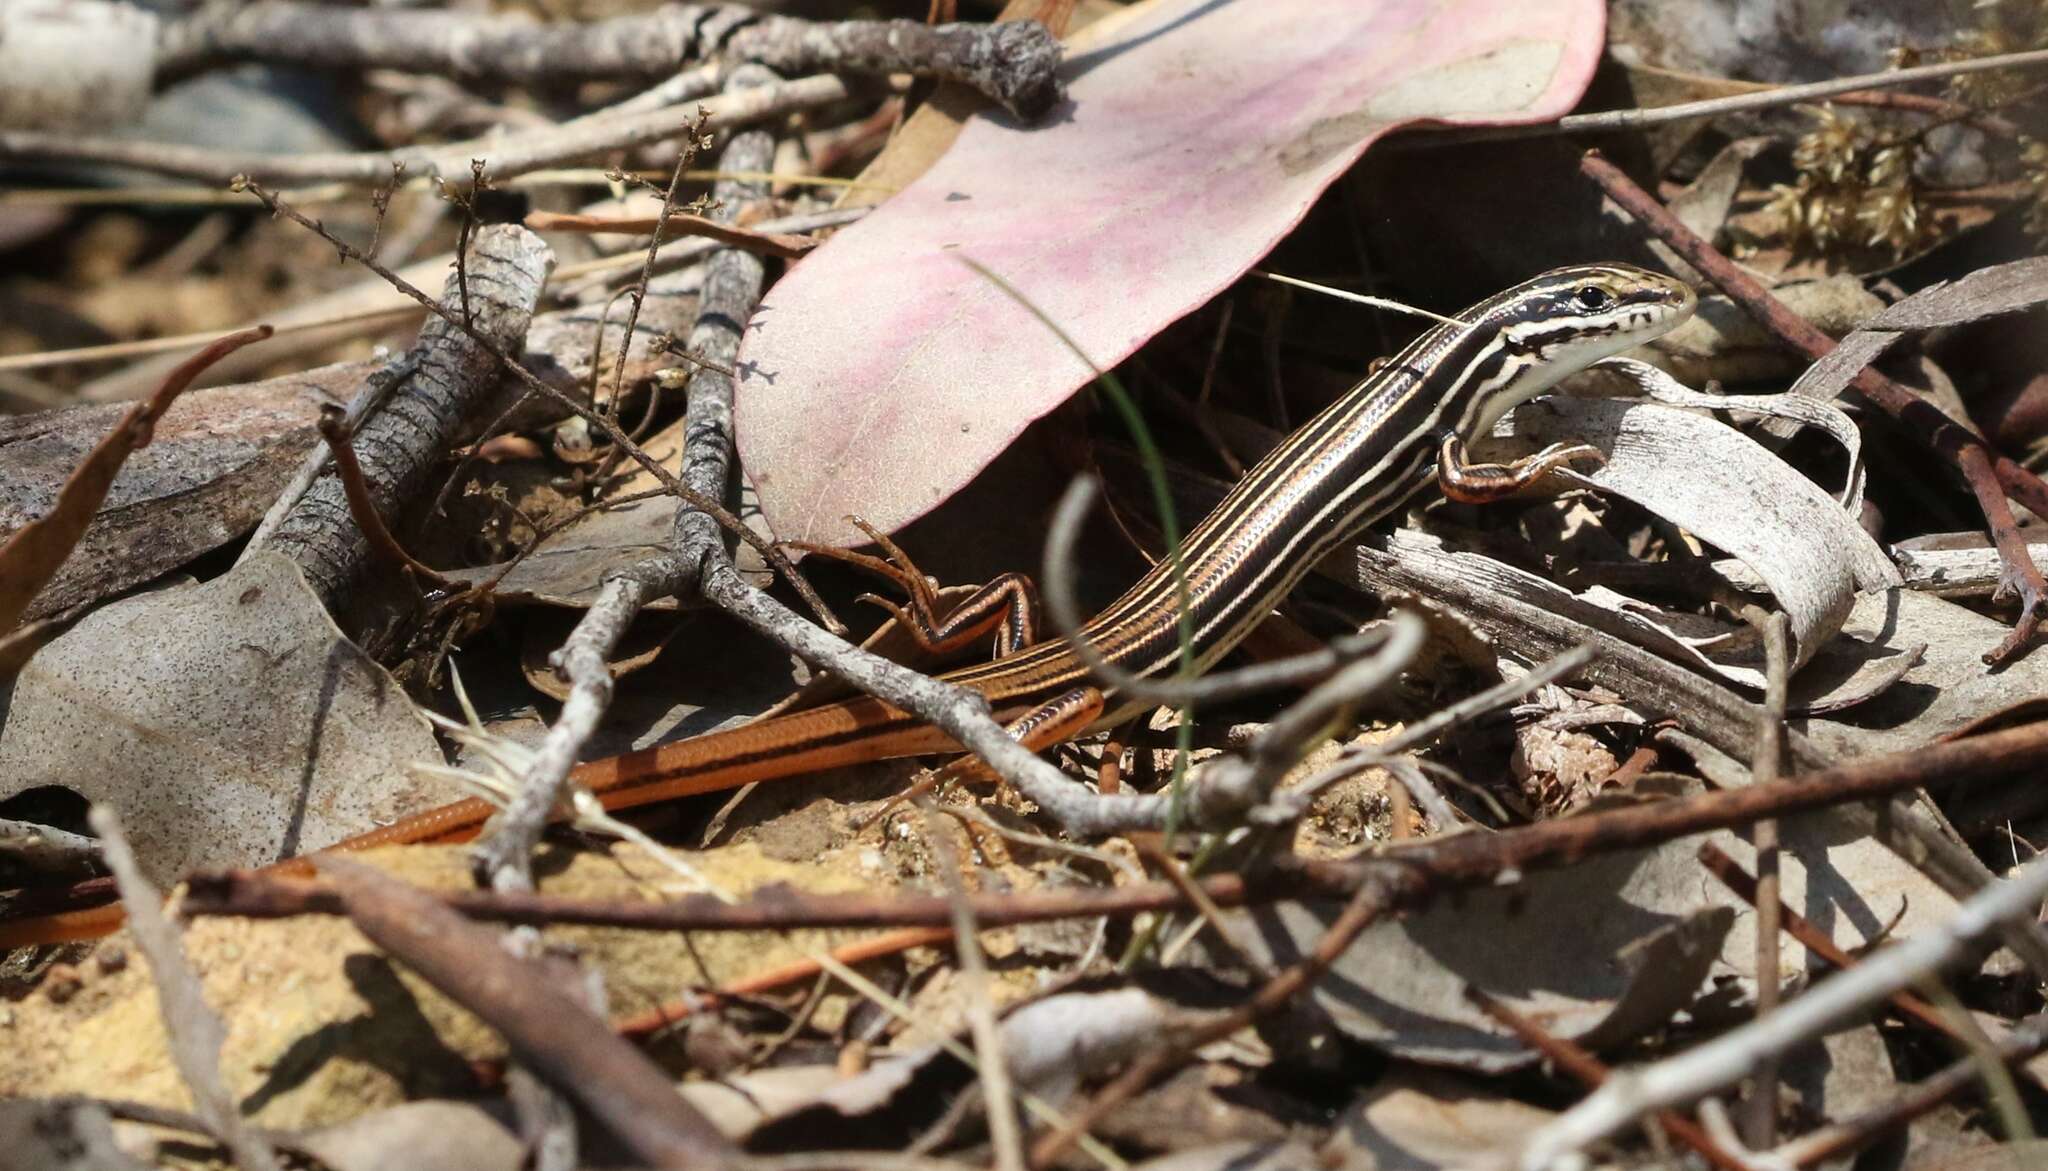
(61,982)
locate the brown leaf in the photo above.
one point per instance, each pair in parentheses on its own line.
(35,551)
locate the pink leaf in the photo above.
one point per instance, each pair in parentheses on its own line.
(882,373)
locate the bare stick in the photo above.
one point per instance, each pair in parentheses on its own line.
(681,223)
(400,445)
(1615,120)
(196,1032)
(1630,1094)
(549,1030)
(1765,765)
(601,421)
(1014,63)
(513,154)
(990,1063)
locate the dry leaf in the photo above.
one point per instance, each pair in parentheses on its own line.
(229,723)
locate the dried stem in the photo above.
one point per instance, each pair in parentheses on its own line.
(1590,1071)
(602,133)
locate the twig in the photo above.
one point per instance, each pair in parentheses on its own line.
(576,279)
(549,1030)
(1420,869)
(1014,63)
(1858,1131)
(1590,1071)
(1991,477)
(786,247)
(119,351)
(1809,936)
(694,139)
(48,850)
(1364,909)
(1352,761)
(1621,120)
(512,154)
(1705,1068)
(732,289)
(196,1032)
(363,510)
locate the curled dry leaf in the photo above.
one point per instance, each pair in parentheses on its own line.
(1733,493)
(230,723)
(1988,292)
(1194,140)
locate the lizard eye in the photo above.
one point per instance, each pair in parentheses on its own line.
(1591,297)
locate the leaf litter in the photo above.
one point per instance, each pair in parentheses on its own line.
(233,720)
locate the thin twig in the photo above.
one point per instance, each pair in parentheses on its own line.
(550,1030)
(510,155)
(732,291)
(363,510)
(1851,1134)
(196,1032)
(1622,120)
(681,223)
(990,1063)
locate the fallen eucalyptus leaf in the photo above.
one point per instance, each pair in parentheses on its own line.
(228,722)
(1192,142)
(203,471)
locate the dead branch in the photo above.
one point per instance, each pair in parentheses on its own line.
(592,136)
(733,280)
(1412,871)
(1013,63)
(400,445)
